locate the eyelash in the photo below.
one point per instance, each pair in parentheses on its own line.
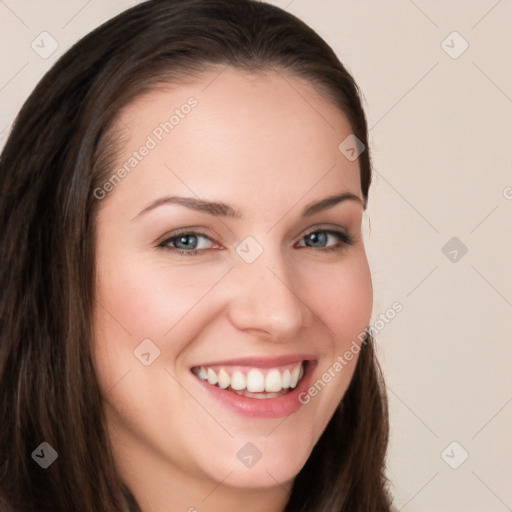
(342,237)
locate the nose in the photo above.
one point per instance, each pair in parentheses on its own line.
(265,301)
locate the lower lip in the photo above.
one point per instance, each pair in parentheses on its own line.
(278,407)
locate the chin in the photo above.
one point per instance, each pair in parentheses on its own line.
(267,465)
(262,476)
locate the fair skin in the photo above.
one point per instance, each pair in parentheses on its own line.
(267,150)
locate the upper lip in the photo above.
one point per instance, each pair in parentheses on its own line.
(261,362)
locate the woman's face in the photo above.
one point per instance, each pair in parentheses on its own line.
(243,292)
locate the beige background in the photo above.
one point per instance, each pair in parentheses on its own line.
(441,130)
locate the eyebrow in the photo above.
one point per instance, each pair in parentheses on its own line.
(220,209)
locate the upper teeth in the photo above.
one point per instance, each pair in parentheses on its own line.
(253,379)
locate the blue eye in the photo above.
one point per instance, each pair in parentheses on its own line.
(191,243)
(320,239)
(187,243)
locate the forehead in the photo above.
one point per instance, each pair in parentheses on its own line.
(260,135)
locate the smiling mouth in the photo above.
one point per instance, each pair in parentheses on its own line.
(251,382)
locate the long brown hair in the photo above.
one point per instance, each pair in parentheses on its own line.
(60,149)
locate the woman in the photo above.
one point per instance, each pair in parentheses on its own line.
(185,292)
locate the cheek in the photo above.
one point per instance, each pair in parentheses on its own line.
(138,299)
(341,296)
